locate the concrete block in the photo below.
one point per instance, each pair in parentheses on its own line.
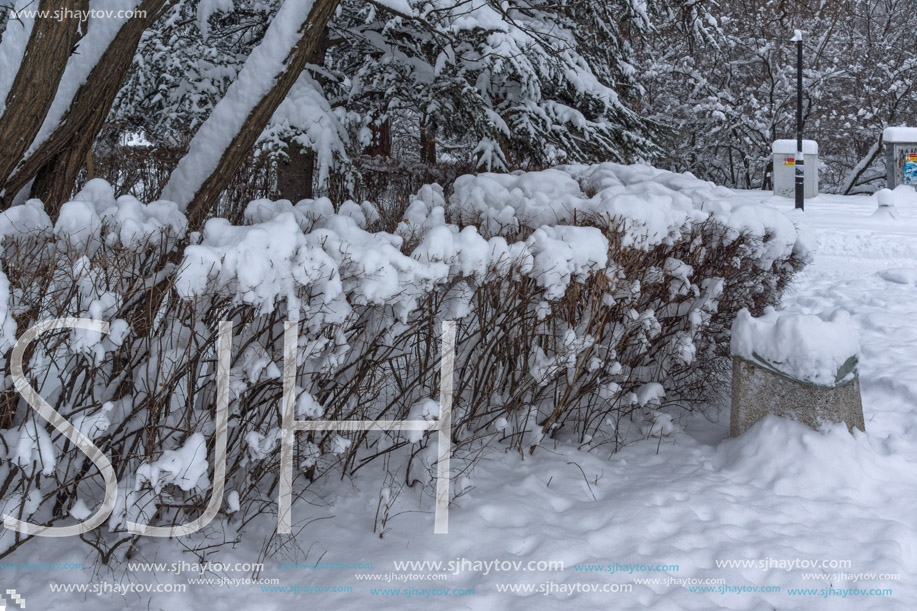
(757,391)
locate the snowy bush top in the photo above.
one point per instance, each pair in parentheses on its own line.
(124,220)
(655,206)
(817,349)
(129,222)
(516,224)
(309,245)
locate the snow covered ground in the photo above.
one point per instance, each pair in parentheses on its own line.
(780,518)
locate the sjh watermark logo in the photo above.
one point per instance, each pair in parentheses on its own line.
(16,598)
(289,426)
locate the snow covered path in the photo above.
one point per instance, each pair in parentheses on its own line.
(778,497)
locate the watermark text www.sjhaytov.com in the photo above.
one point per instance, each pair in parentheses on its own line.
(60,14)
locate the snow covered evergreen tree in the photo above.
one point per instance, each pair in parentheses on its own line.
(519,84)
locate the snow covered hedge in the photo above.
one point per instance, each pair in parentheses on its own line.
(589,298)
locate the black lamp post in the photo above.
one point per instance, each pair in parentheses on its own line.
(799,162)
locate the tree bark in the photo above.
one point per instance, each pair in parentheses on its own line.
(56,163)
(208,194)
(428,143)
(294,174)
(382,139)
(35,85)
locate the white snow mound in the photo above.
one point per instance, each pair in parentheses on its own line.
(812,348)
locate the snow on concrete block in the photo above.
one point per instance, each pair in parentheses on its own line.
(798,366)
(886,198)
(887,209)
(806,347)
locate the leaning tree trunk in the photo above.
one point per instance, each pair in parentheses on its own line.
(66,149)
(56,163)
(49,47)
(207,192)
(29,99)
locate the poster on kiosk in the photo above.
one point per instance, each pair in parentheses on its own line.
(901,156)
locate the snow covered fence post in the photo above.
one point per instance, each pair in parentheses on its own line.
(886,209)
(289,426)
(799,366)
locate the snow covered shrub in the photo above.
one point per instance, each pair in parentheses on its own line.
(604,347)
(588,299)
